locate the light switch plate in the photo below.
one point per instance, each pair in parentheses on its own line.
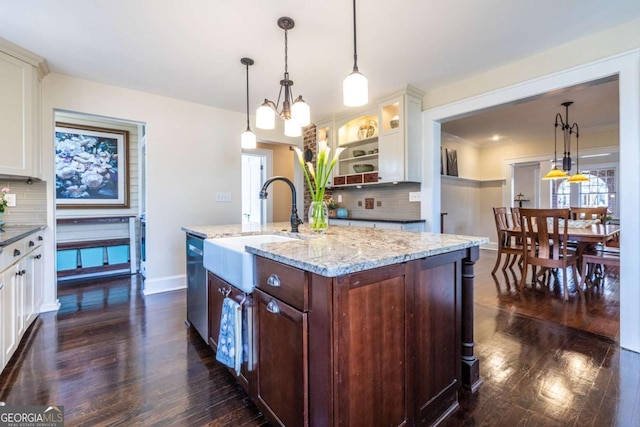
(11,200)
(223,197)
(415,196)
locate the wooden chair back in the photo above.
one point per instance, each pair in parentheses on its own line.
(501,216)
(515,216)
(547,233)
(587,213)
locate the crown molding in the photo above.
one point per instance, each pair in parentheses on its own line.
(26,56)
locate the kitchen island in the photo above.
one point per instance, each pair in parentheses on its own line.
(359,326)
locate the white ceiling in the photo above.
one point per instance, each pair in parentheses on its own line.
(191,49)
(595,108)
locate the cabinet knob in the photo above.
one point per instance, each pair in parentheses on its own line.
(40,238)
(273,307)
(37,256)
(273,280)
(16,252)
(31,243)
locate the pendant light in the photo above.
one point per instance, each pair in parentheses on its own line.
(295,112)
(248,138)
(556,173)
(577,177)
(355,87)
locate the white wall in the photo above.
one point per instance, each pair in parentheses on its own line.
(193,151)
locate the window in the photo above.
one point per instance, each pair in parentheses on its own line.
(599,191)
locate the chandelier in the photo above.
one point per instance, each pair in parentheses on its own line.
(295,113)
(567,130)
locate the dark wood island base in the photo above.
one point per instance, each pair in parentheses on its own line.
(387,346)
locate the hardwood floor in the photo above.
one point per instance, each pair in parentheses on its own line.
(114,357)
(597,311)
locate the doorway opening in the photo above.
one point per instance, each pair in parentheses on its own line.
(99,165)
(254,174)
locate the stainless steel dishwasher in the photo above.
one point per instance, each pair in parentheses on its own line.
(197,294)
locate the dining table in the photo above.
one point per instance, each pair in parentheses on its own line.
(585,235)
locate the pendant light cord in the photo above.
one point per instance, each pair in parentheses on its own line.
(355,44)
(247,65)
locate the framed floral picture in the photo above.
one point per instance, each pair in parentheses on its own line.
(92,169)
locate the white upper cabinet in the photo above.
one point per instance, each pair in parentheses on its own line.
(20,74)
(382,144)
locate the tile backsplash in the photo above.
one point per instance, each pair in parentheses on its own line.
(388,202)
(31,202)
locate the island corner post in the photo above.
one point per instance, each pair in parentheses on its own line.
(470,363)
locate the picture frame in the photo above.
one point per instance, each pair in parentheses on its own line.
(91,167)
(452,162)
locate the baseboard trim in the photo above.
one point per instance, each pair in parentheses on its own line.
(164,284)
(492,246)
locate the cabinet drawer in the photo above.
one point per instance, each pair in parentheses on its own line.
(33,241)
(371,177)
(339,180)
(354,179)
(285,283)
(12,253)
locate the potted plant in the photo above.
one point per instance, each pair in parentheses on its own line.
(332,206)
(317,181)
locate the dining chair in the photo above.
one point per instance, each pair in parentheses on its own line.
(588,213)
(590,262)
(507,240)
(547,249)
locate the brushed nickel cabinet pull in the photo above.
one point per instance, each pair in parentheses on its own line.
(273,280)
(273,307)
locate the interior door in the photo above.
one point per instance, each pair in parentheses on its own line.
(253,176)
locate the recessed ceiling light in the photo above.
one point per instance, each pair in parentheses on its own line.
(496,138)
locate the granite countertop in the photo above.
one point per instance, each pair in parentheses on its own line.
(13,233)
(343,250)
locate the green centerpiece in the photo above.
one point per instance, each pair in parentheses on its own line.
(317,181)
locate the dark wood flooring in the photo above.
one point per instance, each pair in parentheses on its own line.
(597,311)
(114,357)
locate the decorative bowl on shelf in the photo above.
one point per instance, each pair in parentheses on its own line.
(357,153)
(394,122)
(360,168)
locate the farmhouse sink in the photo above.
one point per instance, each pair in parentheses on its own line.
(226,258)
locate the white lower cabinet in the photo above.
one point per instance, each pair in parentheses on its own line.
(383,225)
(21,292)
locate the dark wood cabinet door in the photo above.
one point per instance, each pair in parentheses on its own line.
(436,350)
(281,375)
(218,290)
(372,383)
(216,297)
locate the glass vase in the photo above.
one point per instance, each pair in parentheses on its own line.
(318,217)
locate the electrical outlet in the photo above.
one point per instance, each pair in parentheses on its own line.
(378,203)
(11,200)
(415,196)
(359,202)
(223,197)
(339,198)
